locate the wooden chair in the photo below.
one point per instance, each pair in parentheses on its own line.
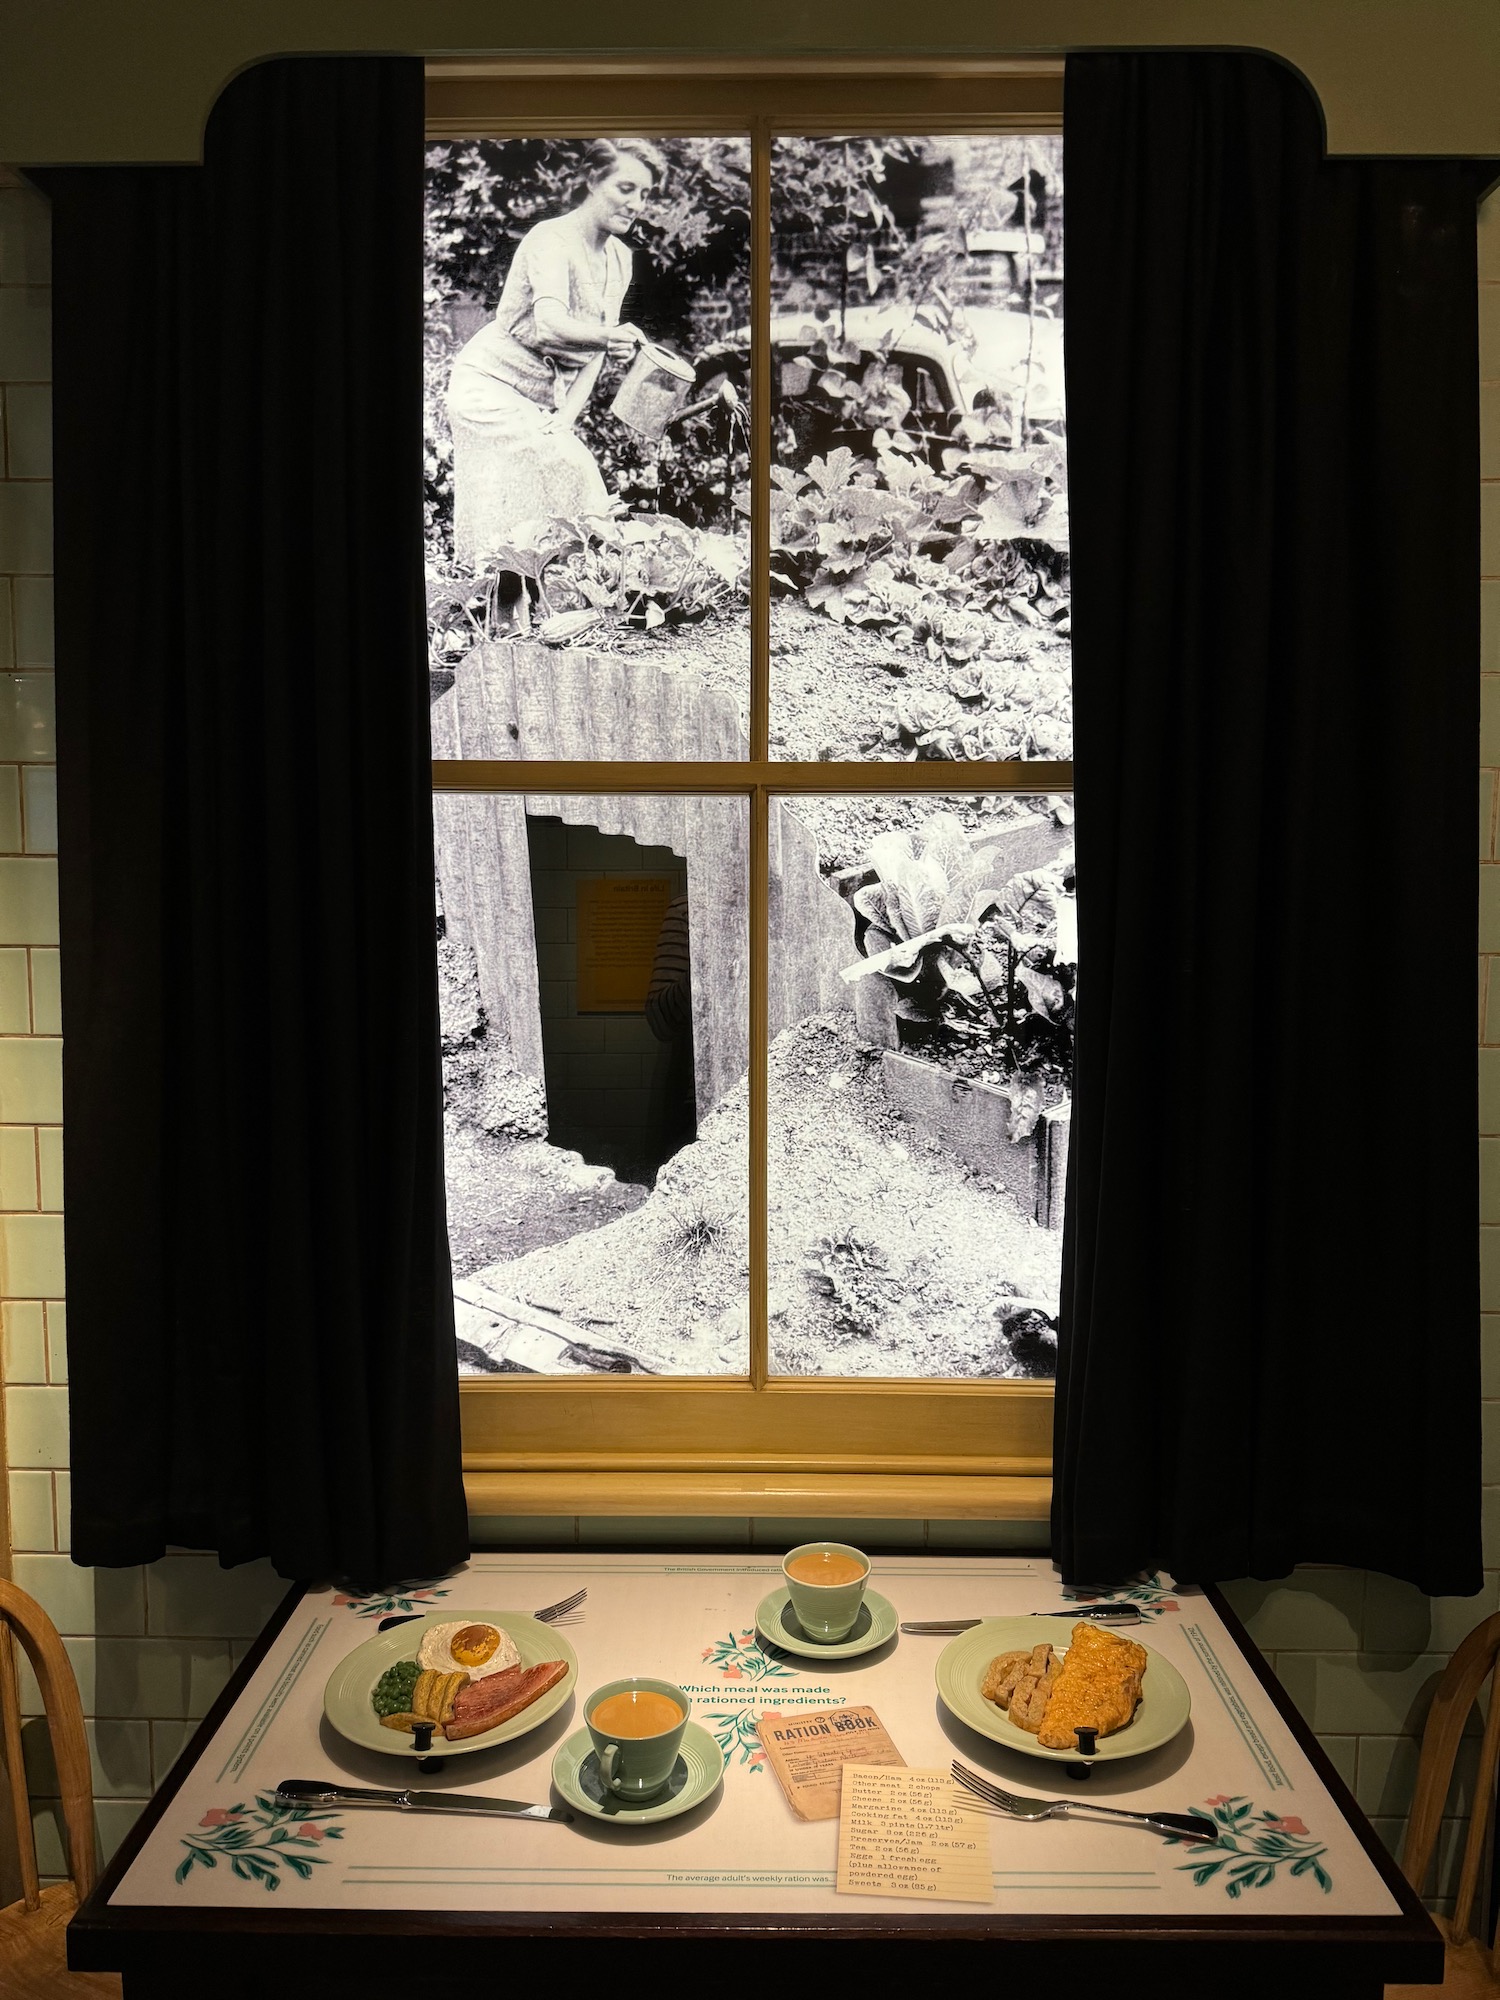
(1468,1970)
(33,1952)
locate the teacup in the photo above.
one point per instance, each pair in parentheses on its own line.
(636,1727)
(826,1605)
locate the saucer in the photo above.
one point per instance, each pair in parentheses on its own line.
(776,1621)
(699,1768)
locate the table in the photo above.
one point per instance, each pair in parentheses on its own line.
(373,1902)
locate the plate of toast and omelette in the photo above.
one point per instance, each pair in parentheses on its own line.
(1011,1680)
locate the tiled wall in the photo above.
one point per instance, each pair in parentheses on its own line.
(1359,1653)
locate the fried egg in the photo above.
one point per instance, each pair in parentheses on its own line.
(477,1650)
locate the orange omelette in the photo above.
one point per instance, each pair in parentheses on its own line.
(1098,1688)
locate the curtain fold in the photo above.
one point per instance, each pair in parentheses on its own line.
(260,1329)
(1269,1350)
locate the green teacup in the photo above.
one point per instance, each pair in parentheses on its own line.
(635,1733)
(826,1606)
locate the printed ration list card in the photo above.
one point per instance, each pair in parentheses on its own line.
(911,1833)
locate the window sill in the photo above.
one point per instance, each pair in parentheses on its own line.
(843,1495)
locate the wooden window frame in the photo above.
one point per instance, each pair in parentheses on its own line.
(766,1445)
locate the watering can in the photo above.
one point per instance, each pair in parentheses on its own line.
(654,391)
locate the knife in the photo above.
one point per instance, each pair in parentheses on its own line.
(308,1792)
(1106,1614)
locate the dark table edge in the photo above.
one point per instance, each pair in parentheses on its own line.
(1407,1947)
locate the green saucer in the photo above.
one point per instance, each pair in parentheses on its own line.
(776,1621)
(699,1768)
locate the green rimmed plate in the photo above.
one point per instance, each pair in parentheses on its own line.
(346,1698)
(1164,1705)
(699,1768)
(776,1621)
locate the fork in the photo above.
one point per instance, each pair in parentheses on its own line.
(1177,1826)
(551,1613)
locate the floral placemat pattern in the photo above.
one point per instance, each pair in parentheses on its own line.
(257,1842)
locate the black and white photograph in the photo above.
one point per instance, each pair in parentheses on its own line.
(919,509)
(587,444)
(588,476)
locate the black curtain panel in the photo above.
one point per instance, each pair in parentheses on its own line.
(259,1309)
(1269,1349)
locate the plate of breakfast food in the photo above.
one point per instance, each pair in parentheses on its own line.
(1034,1684)
(440,1685)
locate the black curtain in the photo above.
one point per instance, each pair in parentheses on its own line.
(1269,1348)
(259,1314)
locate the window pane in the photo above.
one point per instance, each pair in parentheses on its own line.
(923,961)
(587,427)
(593,964)
(919,506)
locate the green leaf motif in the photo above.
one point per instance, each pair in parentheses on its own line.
(1258,1846)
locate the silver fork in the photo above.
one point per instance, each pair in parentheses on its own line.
(1177,1826)
(551,1613)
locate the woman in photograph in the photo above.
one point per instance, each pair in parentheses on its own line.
(520,384)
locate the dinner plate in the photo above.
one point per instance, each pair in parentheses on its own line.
(775,1620)
(1164,1705)
(699,1768)
(346,1698)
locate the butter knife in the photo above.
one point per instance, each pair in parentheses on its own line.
(309,1792)
(1108,1614)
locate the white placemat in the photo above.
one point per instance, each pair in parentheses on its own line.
(1284,1847)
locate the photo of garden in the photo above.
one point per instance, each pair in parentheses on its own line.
(588,359)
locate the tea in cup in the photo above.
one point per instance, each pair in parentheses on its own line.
(826,1583)
(636,1727)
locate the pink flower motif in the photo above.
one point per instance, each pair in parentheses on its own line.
(731,1673)
(310,1832)
(1222,1799)
(343,1600)
(216,1816)
(758,1757)
(1286,1826)
(707,1653)
(1168,1604)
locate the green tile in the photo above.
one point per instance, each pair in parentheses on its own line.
(46,991)
(1489,333)
(1489,431)
(1348,1693)
(168,1741)
(1490,1510)
(28,900)
(1489,1417)
(1443,1879)
(25,334)
(113,1819)
(1489,530)
(1489,1180)
(1342,1753)
(28,722)
(36,1425)
(26,237)
(50,1165)
(23,1341)
(10,810)
(15,1000)
(119,1750)
(28,430)
(1400,1619)
(1489,906)
(7,625)
(1489,627)
(57,1340)
(33,602)
(508,1531)
(1489,1269)
(31,1256)
(142,1677)
(1388,1775)
(667,1531)
(30,1082)
(1489,1080)
(1489,1354)
(1489,723)
(18,1185)
(84,1601)
(1486,810)
(190,1596)
(39,787)
(31,1526)
(1032,1536)
(25,527)
(876,1532)
(62,1487)
(1312,1610)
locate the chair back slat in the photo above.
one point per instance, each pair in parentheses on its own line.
(15,1771)
(1452,1704)
(64,1712)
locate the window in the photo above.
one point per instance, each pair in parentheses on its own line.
(747,540)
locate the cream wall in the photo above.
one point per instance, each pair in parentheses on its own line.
(152,1646)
